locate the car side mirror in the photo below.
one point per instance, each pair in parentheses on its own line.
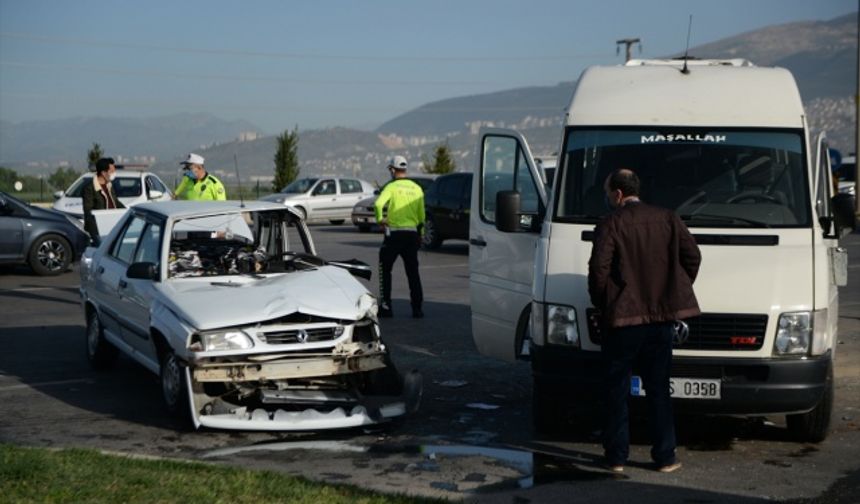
(142,271)
(155,194)
(4,207)
(355,267)
(508,211)
(376,192)
(59,194)
(843,214)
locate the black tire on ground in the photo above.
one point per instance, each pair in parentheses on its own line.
(337,222)
(173,388)
(100,354)
(50,254)
(363,228)
(549,411)
(813,427)
(432,240)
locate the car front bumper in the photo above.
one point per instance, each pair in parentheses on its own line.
(749,386)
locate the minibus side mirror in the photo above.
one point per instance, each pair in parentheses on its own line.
(843,214)
(508,211)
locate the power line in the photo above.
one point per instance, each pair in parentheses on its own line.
(109,71)
(290,55)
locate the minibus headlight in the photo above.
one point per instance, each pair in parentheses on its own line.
(561,327)
(793,334)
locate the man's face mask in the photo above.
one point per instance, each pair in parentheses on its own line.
(190,174)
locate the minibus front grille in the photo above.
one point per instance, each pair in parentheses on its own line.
(708,331)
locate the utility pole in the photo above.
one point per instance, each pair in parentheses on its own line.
(628,43)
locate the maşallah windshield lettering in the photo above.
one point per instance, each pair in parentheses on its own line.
(683,137)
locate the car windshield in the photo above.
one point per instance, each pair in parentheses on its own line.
(299,186)
(252,243)
(711,178)
(125,187)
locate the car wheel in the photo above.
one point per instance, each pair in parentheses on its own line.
(337,222)
(173,389)
(431,239)
(812,427)
(50,255)
(100,353)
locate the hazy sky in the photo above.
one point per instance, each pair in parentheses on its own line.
(317,63)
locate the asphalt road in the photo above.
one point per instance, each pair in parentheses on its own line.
(471,437)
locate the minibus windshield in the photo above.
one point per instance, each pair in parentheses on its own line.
(711,178)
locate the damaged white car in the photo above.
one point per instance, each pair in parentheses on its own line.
(245,325)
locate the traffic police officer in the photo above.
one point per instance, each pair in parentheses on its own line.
(197,184)
(404,226)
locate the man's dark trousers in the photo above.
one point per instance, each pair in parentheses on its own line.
(649,347)
(404,244)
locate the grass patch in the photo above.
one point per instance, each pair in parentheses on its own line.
(76,475)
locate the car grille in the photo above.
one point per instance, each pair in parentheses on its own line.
(709,331)
(292,336)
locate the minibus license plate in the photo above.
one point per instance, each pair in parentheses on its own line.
(683,388)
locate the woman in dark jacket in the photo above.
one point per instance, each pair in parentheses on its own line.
(99,195)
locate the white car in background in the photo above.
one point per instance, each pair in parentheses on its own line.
(320,199)
(132,187)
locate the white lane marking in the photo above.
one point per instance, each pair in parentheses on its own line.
(463,265)
(418,350)
(46,384)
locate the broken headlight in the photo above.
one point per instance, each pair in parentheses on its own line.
(223,340)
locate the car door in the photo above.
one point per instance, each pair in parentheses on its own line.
(323,201)
(136,295)
(110,278)
(460,214)
(349,193)
(829,257)
(501,265)
(11,230)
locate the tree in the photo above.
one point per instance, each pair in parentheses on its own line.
(62,178)
(286,159)
(442,160)
(94,155)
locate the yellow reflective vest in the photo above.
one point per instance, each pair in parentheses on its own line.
(405,201)
(207,189)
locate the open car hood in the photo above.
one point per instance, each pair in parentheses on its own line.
(229,301)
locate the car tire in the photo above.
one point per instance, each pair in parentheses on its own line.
(813,426)
(173,389)
(100,353)
(549,413)
(50,255)
(337,222)
(431,239)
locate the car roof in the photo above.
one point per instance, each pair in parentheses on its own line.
(124,174)
(184,208)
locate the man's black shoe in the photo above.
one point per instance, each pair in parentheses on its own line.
(417,313)
(384,311)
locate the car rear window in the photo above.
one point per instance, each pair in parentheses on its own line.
(350,186)
(125,187)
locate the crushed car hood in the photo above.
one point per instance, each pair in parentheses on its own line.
(230,301)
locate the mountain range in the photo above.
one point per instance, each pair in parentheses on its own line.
(821,55)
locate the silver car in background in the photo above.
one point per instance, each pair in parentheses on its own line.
(245,325)
(320,199)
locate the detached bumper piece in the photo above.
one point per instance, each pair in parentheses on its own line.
(309,419)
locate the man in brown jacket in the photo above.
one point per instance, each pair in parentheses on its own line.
(640,277)
(99,195)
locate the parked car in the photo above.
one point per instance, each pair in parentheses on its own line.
(132,187)
(447,202)
(245,325)
(320,199)
(47,240)
(363,215)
